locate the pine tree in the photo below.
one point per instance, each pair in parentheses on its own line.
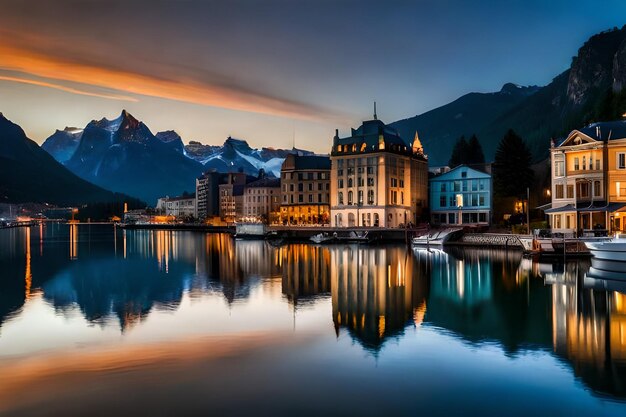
(475,153)
(459,153)
(511,170)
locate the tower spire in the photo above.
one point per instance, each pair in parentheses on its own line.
(375,116)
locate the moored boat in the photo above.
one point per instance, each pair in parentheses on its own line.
(609,259)
(324,238)
(436,238)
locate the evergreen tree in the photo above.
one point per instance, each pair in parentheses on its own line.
(459,153)
(475,153)
(511,170)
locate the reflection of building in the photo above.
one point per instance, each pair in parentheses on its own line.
(306,272)
(589,330)
(207,195)
(377,179)
(305,197)
(461,196)
(376,292)
(589,179)
(262,199)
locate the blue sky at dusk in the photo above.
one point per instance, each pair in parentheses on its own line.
(274,71)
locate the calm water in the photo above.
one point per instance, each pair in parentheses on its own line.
(99,322)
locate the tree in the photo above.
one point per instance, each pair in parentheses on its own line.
(475,153)
(459,153)
(467,153)
(511,170)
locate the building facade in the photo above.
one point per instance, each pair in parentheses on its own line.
(207,195)
(262,200)
(305,190)
(183,206)
(588,187)
(377,179)
(231,196)
(461,196)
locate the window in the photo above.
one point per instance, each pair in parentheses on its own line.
(583,190)
(576,164)
(570,191)
(556,220)
(464,185)
(457,186)
(621,160)
(319,198)
(442,201)
(360,197)
(350,182)
(310,186)
(394,182)
(361,181)
(452,201)
(584,162)
(597,165)
(310,176)
(464,174)
(310,198)
(340,184)
(300,198)
(443,187)
(559,191)
(291,187)
(370,182)
(340,198)
(474,185)
(300,187)
(482,217)
(401,183)
(370,197)
(559,168)
(596,189)
(481,200)
(299,176)
(349,197)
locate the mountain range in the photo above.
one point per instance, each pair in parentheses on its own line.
(572,100)
(29,174)
(123,155)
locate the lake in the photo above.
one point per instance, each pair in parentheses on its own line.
(100,321)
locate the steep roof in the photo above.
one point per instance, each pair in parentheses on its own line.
(373,136)
(606,130)
(312,162)
(265,183)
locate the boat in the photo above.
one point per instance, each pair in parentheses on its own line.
(436,238)
(611,250)
(356,237)
(324,238)
(609,259)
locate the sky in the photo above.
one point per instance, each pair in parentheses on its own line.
(276,73)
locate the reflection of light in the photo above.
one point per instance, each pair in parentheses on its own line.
(28,277)
(460,278)
(381,326)
(73,241)
(419,314)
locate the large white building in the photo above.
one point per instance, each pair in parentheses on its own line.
(184,206)
(377,179)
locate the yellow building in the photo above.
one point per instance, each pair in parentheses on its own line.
(377,179)
(589,181)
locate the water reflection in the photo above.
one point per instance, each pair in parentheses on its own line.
(376,292)
(116,279)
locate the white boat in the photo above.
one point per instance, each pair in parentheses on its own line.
(609,259)
(611,250)
(324,238)
(436,238)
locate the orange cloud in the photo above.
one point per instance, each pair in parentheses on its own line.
(66,89)
(55,68)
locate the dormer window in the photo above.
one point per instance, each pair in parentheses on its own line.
(464,174)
